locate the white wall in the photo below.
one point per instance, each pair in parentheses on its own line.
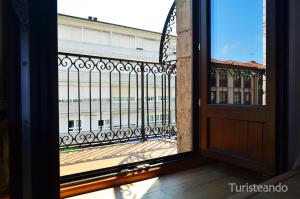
(95,38)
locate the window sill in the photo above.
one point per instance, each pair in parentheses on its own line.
(82,187)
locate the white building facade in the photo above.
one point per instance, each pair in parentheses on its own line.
(110,99)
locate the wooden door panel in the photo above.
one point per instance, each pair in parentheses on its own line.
(237,113)
(255,140)
(241,138)
(253,113)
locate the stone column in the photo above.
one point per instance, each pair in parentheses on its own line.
(184,75)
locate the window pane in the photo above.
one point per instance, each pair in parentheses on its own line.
(237,52)
(117,84)
(71,123)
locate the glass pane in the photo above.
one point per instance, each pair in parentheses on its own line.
(117,84)
(238,62)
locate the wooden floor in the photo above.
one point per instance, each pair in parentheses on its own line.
(293,184)
(113,155)
(209,181)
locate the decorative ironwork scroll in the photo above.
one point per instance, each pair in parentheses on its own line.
(164,54)
(236,84)
(107,101)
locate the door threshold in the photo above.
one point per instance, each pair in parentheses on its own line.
(143,173)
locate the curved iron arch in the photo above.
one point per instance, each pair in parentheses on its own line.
(165,37)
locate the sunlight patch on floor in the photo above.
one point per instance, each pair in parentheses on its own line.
(129,191)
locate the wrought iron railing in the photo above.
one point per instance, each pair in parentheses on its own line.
(236,84)
(106,101)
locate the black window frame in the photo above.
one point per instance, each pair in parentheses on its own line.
(223,97)
(237,97)
(213,100)
(71,125)
(223,81)
(213,80)
(237,81)
(249,96)
(247,82)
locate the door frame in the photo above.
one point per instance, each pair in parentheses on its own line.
(33,94)
(32,98)
(276,99)
(48,182)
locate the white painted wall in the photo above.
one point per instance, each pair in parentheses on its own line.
(108,40)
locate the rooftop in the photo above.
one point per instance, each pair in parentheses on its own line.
(249,64)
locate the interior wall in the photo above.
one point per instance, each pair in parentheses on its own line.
(294,90)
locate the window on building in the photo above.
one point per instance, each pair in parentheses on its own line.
(78,123)
(213,81)
(139,43)
(151,118)
(100,123)
(126,41)
(247,82)
(164,117)
(223,97)
(173,49)
(149,44)
(74,125)
(106,122)
(71,125)
(213,97)
(149,98)
(157,118)
(237,81)
(237,97)
(223,81)
(247,98)
(162,97)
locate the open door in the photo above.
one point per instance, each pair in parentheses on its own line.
(237,83)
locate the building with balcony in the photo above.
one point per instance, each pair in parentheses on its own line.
(104,91)
(237,83)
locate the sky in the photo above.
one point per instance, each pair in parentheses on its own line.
(143,14)
(237,30)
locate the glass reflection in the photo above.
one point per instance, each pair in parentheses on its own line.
(237,67)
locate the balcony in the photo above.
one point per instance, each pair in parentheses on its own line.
(114,111)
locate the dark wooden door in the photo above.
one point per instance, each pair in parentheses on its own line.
(238,88)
